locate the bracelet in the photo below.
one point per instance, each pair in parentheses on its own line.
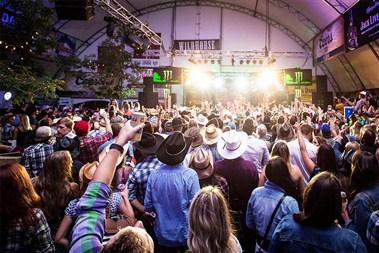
(118,147)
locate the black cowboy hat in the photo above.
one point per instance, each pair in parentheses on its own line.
(173,149)
(149,143)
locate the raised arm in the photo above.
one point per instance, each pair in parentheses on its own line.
(309,164)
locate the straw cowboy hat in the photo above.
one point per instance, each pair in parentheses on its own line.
(173,149)
(197,138)
(232,144)
(106,150)
(87,171)
(211,134)
(202,162)
(149,143)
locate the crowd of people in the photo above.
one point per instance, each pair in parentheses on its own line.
(217,177)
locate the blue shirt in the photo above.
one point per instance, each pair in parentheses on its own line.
(169,192)
(360,210)
(261,205)
(372,235)
(292,237)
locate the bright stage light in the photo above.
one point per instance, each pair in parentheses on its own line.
(268,80)
(219,82)
(242,83)
(198,77)
(7,96)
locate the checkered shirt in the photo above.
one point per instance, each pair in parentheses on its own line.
(137,181)
(34,157)
(89,146)
(372,234)
(35,238)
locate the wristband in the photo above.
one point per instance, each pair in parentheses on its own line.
(118,147)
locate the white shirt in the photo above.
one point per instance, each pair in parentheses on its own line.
(296,158)
(256,152)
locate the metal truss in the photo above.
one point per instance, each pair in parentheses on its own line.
(122,15)
(238,54)
(338,5)
(300,16)
(230,6)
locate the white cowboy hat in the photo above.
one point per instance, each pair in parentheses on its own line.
(232,144)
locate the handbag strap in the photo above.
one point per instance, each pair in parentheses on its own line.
(272,217)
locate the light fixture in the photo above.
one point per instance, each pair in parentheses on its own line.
(241,62)
(7,96)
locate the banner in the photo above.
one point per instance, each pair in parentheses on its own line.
(297,77)
(149,58)
(66,45)
(168,75)
(197,45)
(330,41)
(361,23)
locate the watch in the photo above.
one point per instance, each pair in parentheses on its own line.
(118,147)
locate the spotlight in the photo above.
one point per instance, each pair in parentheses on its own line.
(254,62)
(233,60)
(7,96)
(241,62)
(260,62)
(205,61)
(111,26)
(247,61)
(212,61)
(191,60)
(219,61)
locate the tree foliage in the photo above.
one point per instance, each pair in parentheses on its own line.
(23,42)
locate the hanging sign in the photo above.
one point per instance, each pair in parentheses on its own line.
(297,77)
(149,58)
(197,45)
(330,42)
(361,24)
(167,75)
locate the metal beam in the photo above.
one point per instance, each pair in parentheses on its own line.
(123,16)
(330,77)
(374,51)
(354,71)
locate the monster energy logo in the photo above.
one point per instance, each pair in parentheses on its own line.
(298,76)
(167,75)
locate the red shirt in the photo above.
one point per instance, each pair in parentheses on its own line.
(89,146)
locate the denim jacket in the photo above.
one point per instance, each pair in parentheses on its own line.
(262,203)
(360,210)
(292,237)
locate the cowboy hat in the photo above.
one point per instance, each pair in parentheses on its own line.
(173,149)
(201,120)
(194,133)
(43,133)
(211,134)
(106,150)
(285,132)
(149,143)
(232,144)
(87,171)
(202,162)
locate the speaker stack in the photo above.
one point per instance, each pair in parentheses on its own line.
(75,9)
(322,96)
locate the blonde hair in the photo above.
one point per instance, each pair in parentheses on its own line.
(130,240)
(210,225)
(24,123)
(69,123)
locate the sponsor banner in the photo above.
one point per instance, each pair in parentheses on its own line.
(361,23)
(148,58)
(146,63)
(167,75)
(197,45)
(330,41)
(297,77)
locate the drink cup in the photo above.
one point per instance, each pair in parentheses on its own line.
(138,118)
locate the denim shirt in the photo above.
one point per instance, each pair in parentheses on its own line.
(360,210)
(169,192)
(292,237)
(261,205)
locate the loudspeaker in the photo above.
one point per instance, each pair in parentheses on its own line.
(322,99)
(148,99)
(321,84)
(75,9)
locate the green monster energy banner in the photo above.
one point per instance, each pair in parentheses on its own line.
(167,75)
(298,77)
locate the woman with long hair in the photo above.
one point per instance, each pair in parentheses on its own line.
(315,227)
(23,226)
(210,226)
(270,203)
(364,196)
(280,148)
(24,131)
(55,188)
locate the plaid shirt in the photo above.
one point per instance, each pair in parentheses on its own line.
(35,238)
(137,181)
(218,181)
(372,234)
(88,230)
(34,157)
(89,146)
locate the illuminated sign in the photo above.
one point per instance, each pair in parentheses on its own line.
(298,77)
(168,75)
